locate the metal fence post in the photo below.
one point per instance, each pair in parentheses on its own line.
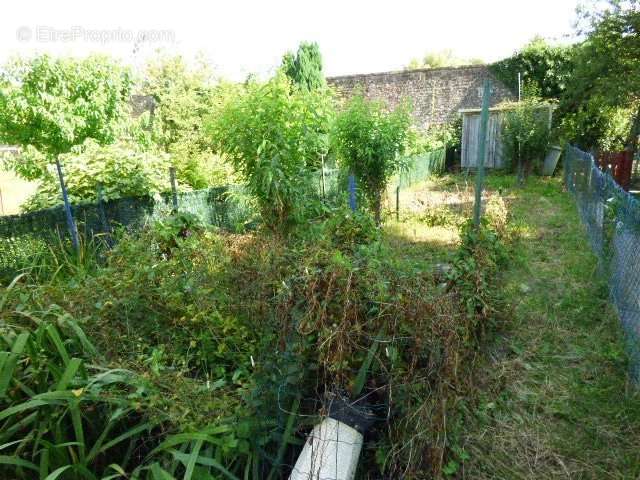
(106,229)
(71,224)
(352,192)
(174,188)
(324,186)
(398,203)
(482,140)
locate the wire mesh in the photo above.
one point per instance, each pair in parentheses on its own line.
(612,220)
(420,167)
(23,237)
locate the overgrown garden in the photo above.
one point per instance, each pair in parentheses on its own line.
(178,349)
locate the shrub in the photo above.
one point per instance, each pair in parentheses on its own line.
(183,97)
(121,169)
(274,135)
(525,135)
(369,140)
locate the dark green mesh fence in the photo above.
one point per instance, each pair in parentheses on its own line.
(420,167)
(24,237)
(612,220)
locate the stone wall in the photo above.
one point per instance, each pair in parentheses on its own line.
(437,94)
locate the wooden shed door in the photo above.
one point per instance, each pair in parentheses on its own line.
(493,149)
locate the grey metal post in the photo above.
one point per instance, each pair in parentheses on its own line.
(324,187)
(398,203)
(71,224)
(352,192)
(482,141)
(174,188)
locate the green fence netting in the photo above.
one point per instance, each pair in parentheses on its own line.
(23,237)
(420,167)
(612,220)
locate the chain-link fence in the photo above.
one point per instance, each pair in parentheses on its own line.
(612,220)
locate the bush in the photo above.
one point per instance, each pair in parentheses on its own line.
(121,169)
(436,137)
(525,135)
(275,135)
(369,140)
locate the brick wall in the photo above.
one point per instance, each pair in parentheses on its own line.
(437,94)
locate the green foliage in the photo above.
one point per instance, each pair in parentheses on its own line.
(183,97)
(605,85)
(608,61)
(222,336)
(369,141)
(526,134)
(61,413)
(275,136)
(546,66)
(442,58)
(171,230)
(596,124)
(121,169)
(55,104)
(475,265)
(436,137)
(305,67)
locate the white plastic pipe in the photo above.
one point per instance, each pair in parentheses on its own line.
(331,452)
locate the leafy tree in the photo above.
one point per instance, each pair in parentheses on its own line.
(606,68)
(595,124)
(546,66)
(274,135)
(183,97)
(53,105)
(442,58)
(305,67)
(369,140)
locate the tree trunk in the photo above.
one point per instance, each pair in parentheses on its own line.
(377,207)
(71,224)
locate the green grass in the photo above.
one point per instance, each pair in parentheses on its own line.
(556,402)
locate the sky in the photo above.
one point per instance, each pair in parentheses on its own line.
(239,37)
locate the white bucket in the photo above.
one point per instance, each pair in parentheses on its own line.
(331,452)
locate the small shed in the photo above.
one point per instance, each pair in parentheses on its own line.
(470,130)
(494,157)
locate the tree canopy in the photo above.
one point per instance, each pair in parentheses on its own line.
(368,139)
(442,58)
(274,135)
(544,66)
(607,67)
(55,104)
(305,67)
